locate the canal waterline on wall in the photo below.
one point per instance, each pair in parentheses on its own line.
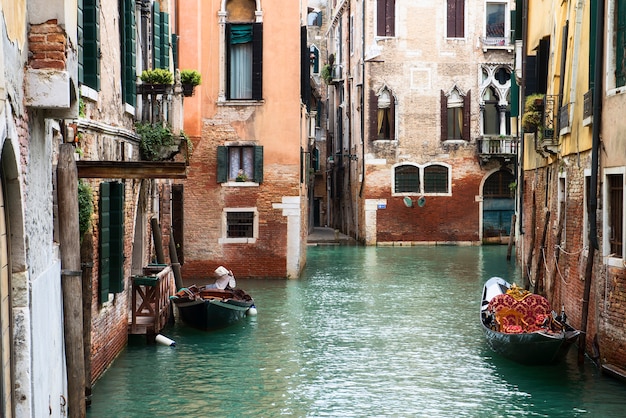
(367,331)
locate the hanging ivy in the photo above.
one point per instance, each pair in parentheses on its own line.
(85,206)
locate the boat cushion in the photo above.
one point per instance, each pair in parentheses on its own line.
(529,313)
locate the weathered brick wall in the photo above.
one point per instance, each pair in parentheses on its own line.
(47,43)
(205,198)
(109,326)
(563,283)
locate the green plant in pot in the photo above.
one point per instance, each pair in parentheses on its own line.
(189,80)
(532,119)
(158,80)
(158,142)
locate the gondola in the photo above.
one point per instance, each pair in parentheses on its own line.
(210,308)
(521,325)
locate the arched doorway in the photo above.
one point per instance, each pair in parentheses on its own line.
(6,344)
(498,206)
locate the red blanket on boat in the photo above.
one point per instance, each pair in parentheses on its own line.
(531,313)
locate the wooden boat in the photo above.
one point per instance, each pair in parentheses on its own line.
(209,309)
(521,325)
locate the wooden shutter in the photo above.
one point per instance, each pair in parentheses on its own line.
(175,50)
(455,19)
(392,116)
(165,47)
(129,56)
(227,68)
(91,43)
(222,164)
(373,115)
(305,69)
(257,61)
(593,13)
(178,220)
(390,18)
(105,239)
(258,164)
(380,17)
(444,115)
(620,43)
(156,35)
(116,273)
(467,112)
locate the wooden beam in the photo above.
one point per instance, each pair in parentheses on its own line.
(132,169)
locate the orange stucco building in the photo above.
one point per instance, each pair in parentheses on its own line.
(243,204)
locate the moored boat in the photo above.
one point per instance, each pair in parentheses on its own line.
(212,308)
(521,325)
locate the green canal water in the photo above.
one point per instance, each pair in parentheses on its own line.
(366,332)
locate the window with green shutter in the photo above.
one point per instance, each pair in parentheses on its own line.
(165,46)
(406,179)
(111,239)
(128,48)
(89,43)
(240,163)
(156,35)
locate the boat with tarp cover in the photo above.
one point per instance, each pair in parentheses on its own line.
(522,326)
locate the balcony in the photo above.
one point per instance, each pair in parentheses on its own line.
(501,147)
(496,42)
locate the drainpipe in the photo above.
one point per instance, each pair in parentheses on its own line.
(362,98)
(522,98)
(593,197)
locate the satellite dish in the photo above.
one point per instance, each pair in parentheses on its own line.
(421,201)
(408,202)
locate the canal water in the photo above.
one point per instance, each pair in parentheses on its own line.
(366,332)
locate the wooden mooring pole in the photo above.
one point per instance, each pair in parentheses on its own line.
(71,280)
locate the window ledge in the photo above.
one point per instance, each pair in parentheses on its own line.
(615,261)
(240,184)
(236,241)
(250,102)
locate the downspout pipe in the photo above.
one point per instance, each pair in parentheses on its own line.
(593,183)
(522,98)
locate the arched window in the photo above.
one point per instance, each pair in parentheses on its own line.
(407,179)
(385,115)
(436,179)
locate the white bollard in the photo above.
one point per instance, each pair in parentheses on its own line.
(162,339)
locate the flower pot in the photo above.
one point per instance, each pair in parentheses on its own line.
(188,90)
(155,88)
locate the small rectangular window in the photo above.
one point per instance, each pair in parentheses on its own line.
(239,224)
(616,207)
(496,20)
(620,43)
(240,163)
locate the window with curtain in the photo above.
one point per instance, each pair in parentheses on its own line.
(240,163)
(385,130)
(240,61)
(455,116)
(491,116)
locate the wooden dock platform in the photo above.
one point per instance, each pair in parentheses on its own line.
(150,306)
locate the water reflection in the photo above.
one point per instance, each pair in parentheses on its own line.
(366,332)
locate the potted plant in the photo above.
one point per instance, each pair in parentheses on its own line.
(158,142)
(241,176)
(189,80)
(533,113)
(157,81)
